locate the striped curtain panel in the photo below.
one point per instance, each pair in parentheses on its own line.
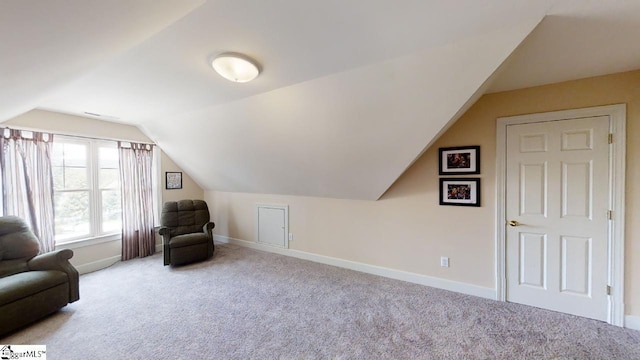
(27,182)
(136,179)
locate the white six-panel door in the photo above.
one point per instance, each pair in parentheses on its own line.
(557,201)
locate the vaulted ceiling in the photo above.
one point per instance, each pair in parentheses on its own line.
(351,92)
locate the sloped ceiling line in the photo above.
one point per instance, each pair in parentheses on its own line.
(351,91)
(377,118)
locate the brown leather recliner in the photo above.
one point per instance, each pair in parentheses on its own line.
(186,232)
(31,285)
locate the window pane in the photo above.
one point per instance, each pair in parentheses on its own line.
(57,156)
(79,165)
(75,155)
(75,178)
(108,158)
(111,211)
(109,178)
(72,214)
(58,177)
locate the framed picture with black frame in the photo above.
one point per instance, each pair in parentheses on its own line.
(459,160)
(460,191)
(173,180)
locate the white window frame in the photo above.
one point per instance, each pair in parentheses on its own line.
(96,235)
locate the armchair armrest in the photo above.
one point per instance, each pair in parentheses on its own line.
(207,230)
(208,227)
(59,260)
(164,231)
(55,260)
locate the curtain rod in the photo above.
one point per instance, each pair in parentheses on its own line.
(21,128)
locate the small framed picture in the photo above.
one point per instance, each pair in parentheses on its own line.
(459,160)
(173,180)
(460,191)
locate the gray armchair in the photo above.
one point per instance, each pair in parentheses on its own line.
(186,232)
(31,286)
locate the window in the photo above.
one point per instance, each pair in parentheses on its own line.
(86,182)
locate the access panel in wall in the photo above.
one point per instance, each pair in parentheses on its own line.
(272,225)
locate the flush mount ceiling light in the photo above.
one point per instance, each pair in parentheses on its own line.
(235,67)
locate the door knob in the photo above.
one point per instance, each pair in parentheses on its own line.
(513,223)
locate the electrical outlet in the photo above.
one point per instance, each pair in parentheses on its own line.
(444,261)
(290,236)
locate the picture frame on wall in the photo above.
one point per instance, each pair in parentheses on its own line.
(173,180)
(459,160)
(460,191)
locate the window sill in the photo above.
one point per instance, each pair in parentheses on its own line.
(74,244)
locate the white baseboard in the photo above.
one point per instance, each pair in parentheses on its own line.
(632,322)
(450,285)
(98,265)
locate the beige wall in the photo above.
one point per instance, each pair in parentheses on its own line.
(58,123)
(407,230)
(190,189)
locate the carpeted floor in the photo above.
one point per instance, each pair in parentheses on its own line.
(248,304)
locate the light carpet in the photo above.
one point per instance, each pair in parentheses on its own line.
(249,304)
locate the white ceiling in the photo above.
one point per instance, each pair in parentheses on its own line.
(351,94)
(45,45)
(577,39)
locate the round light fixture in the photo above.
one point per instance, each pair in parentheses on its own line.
(235,67)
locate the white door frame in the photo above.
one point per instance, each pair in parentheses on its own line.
(615,256)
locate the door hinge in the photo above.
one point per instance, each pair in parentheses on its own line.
(610,214)
(610,138)
(608,290)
